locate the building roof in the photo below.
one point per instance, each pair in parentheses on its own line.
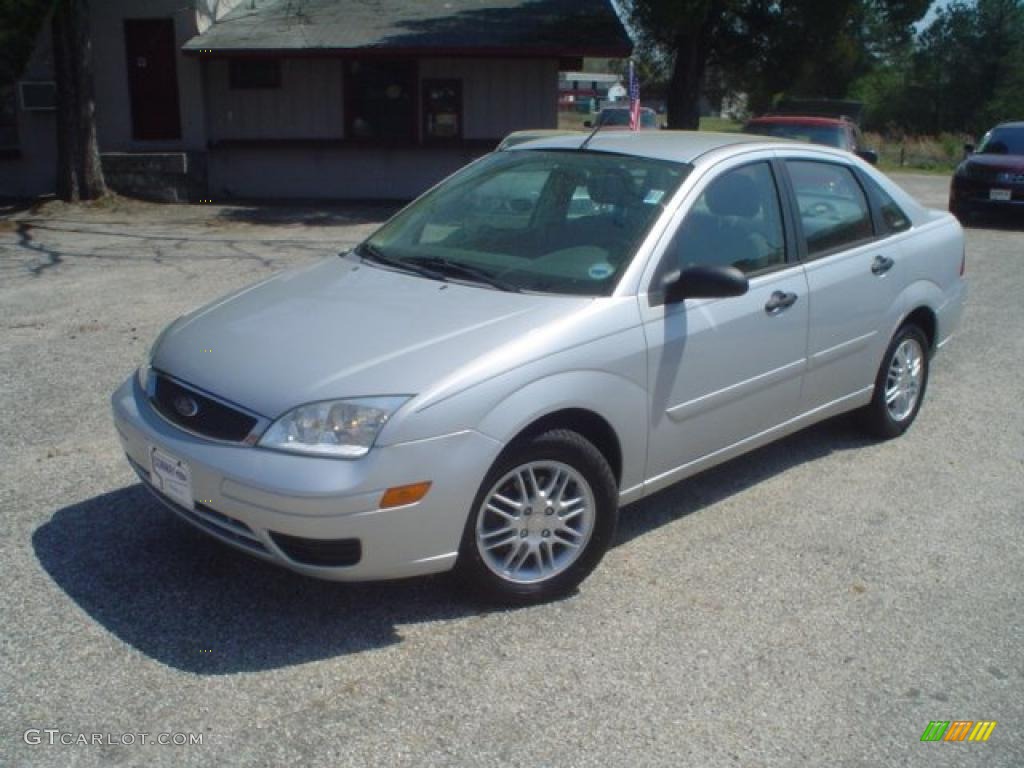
(427,27)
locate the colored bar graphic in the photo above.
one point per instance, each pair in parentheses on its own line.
(982,730)
(958,730)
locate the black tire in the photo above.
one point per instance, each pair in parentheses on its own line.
(877,418)
(562,448)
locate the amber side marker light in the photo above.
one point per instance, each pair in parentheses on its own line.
(401,495)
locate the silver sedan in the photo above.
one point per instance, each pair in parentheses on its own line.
(555,331)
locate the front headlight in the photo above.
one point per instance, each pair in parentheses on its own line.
(344,429)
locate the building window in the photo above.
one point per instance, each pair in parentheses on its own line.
(442,110)
(251,74)
(8,118)
(381,103)
(38,97)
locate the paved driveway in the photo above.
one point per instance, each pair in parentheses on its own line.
(815,603)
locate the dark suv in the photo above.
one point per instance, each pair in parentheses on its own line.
(991,178)
(838,132)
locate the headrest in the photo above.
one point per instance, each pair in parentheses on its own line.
(610,187)
(734,195)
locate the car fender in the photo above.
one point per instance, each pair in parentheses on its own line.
(621,402)
(920,293)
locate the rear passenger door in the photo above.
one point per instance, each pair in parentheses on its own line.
(853,275)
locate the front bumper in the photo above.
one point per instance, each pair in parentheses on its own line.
(302,511)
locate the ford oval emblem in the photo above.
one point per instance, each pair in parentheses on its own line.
(186,406)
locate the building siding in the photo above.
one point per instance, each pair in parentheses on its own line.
(308,105)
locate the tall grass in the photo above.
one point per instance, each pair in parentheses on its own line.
(940,153)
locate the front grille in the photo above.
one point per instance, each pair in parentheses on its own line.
(210,417)
(324,552)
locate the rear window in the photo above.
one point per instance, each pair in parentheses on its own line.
(829,135)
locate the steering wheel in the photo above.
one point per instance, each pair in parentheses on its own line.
(820,208)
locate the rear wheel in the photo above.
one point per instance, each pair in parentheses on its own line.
(541,522)
(899,386)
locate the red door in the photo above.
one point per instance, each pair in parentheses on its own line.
(152,78)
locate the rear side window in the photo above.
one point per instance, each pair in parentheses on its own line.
(893,218)
(833,209)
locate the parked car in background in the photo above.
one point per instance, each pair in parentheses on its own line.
(617,118)
(991,178)
(559,329)
(839,132)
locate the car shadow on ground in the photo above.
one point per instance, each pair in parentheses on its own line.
(310,214)
(192,603)
(737,475)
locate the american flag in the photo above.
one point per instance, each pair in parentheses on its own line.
(634,99)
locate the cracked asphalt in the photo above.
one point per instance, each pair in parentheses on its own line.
(815,603)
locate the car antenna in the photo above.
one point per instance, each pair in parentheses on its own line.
(586,141)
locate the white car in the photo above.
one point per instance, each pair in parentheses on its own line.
(559,329)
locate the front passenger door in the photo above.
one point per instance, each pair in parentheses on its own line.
(724,371)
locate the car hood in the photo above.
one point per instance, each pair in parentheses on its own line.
(344,329)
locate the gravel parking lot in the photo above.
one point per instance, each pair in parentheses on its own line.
(815,603)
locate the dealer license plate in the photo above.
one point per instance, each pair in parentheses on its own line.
(172,477)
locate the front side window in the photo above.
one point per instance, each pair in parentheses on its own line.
(832,208)
(556,222)
(381,103)
(736,222)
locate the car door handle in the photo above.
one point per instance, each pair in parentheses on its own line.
(881,265)
(779,302)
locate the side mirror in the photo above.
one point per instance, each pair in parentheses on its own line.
(704,283)
(869,155)
(968,149)
(588,124)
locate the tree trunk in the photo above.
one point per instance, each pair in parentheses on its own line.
(93,184)
(692,46)
(685,85)
(67,108)
(79,171)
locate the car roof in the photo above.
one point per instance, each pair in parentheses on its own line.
(799,120)
(1013,124)
(677,146)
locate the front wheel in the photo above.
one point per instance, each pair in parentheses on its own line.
(899,386)
(541,522)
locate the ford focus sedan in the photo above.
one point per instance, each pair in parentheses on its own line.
(557,330)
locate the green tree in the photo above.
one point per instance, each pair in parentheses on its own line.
(767,47)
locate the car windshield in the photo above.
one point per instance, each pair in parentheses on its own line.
(1005,140)
(532,220)
(829,135)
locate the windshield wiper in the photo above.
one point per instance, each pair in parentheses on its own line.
(457,269)
(373,253)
